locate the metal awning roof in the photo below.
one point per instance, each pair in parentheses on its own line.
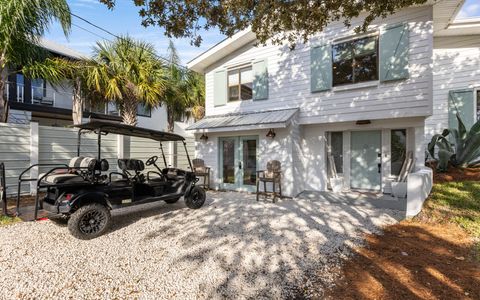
(272,118)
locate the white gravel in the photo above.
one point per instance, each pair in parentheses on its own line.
(233,247)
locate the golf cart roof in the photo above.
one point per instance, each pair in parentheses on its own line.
(128,130)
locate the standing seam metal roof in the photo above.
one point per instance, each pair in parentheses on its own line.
(245,119)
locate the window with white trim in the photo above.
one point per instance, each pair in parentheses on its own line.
(355,61)
(240,83)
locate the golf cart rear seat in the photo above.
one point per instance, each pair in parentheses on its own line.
(76,165)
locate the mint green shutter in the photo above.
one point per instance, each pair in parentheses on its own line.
(260,79)
(321,68)
(220,88)
(394,45)
(463,101)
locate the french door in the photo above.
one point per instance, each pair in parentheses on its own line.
(238,162)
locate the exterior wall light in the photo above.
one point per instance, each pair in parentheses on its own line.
(363,122)
(204,137)
(271,134)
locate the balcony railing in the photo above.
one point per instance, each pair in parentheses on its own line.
(38,95)
(16,92)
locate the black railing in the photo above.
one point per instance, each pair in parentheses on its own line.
(3,188)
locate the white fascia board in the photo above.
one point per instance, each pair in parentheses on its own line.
(222,49)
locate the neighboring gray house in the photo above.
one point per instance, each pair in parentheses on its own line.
(39,101)
(367,99)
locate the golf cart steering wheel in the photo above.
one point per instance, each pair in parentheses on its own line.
(152,160)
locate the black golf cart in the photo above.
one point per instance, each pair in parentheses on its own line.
(83,192)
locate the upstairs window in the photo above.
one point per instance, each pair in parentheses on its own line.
(144,110)
(240,83)
(355,61)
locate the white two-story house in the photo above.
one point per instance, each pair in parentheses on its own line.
(365,100)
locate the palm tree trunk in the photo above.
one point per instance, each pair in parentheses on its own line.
(170,120)
(3,103)
(77,103)
(129,111)
(3,99)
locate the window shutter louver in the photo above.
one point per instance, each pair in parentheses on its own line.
(321,68)
(260,79)
(220,88)
(463,101)
(394,46)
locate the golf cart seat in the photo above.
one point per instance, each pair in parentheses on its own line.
(72,175)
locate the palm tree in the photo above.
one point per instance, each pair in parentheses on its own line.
(22,23)
(62,71)
(127,72)
(185,91)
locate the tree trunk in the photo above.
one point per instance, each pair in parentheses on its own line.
(3,100)
(170,120)
(77,103)
(129,111)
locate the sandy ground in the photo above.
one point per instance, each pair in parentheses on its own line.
(412,260)
(233,247)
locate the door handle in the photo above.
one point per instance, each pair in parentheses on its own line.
(379,168)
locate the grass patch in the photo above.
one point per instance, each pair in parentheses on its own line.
(455,202)
(6,220)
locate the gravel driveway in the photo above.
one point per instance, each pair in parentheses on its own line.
(233,247)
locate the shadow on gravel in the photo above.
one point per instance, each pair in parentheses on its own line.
(127,216)
(265,249)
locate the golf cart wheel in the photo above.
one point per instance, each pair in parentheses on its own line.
(89,221)
(60,219)
(196,198)
(171,201)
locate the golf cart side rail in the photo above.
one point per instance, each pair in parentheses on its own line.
(22,180)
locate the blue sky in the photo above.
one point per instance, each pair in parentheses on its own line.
(470,9)
(123,19)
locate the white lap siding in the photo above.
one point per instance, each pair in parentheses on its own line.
(456,65)
(289,78)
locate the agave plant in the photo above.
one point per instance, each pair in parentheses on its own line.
(463,152)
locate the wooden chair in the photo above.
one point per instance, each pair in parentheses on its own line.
(202,171)
(273,174)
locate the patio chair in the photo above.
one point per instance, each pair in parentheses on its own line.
(202,171)
(273,174)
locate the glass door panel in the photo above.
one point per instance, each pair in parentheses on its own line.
(228,160)
(249,161)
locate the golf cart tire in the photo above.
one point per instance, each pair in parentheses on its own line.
(171,201)
(77,226)
(196,198)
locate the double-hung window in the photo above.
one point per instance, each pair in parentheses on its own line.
(355,61)
(240,82)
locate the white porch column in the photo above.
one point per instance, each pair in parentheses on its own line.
(346,159)
(34,153)
(419,146)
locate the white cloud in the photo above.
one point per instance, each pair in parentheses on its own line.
(470,9)
(86,3)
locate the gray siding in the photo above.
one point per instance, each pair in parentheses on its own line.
(15,153)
